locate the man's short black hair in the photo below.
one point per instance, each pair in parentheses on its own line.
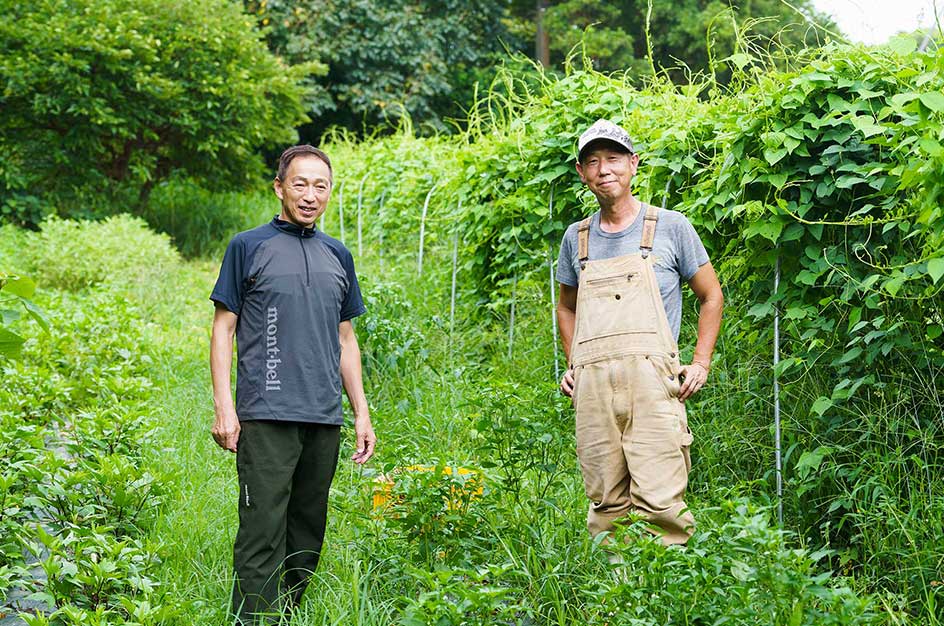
(301,150)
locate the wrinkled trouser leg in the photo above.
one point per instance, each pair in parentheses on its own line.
(633,445)
(308,507)
(285,472)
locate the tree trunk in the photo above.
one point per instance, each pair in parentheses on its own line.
(541,46)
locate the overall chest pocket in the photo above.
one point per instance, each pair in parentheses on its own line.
(614,304)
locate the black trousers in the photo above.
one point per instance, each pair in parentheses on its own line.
(285,472)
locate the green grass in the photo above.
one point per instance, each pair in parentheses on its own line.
(453,394)
(517,554)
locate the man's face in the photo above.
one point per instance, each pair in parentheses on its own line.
(607,172)
(305,191)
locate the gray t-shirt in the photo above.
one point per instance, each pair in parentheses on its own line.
(677,252)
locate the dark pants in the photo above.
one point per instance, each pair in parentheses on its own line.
(285,471)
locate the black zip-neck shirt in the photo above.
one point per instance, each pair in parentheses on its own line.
(291,287)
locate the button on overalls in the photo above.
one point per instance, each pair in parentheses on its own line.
(632,432)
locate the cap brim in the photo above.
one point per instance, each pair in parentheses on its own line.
(596,142)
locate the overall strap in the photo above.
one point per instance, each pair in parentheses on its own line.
(583,241)
(649,230)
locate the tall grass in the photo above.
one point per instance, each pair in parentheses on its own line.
(201,221)
(517,553)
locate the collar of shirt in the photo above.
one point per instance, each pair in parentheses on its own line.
(292,229)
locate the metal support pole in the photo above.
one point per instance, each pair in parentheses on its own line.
(383,196)
(550,269)
(419,259)
(360,195)
(777,445)
(511,320)
(341,209)
(452,300)
(455,267)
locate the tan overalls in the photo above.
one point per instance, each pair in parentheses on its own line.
(632,433)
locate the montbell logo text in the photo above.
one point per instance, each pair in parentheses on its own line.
(272,350)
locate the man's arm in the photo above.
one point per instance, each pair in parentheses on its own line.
(352,380)
(708,291)
(566,320)
(226,426)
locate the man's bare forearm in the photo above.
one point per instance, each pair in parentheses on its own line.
(221,366)
(352,376)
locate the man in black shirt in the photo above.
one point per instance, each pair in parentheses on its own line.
(287,293)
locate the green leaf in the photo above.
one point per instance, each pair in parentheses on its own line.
(848,356)
(19,286)
(777,180)
(893,284)
(768,229)
(934,100)
(10,343)
(821,405)
(773,155)
(8,316)
(932,147)
(846,182)
(551,174)
(761,310)
(867,126)
(936,269)
(902,44)
(740,59)
(810,461)
(38,315)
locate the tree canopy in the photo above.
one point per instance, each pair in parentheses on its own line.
(120,93)
(683,33)
(387,58)
(423,57)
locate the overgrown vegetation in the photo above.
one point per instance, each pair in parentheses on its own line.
(76,425)
(832,167)
(120,94)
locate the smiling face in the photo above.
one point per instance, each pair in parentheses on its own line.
(608,171)
(305,190)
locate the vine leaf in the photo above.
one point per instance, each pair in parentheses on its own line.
(934,100)
(936,269)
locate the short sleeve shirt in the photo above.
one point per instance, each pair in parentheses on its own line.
(677,253)
(290,288)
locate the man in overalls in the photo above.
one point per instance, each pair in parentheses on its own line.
(621,272)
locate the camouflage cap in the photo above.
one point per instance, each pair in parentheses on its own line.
(604,129)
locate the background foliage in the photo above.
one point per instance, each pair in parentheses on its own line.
(827,162)
(104,99)
(832,167)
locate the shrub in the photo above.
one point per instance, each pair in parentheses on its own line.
(121,93)
(75,255)
(201,222)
